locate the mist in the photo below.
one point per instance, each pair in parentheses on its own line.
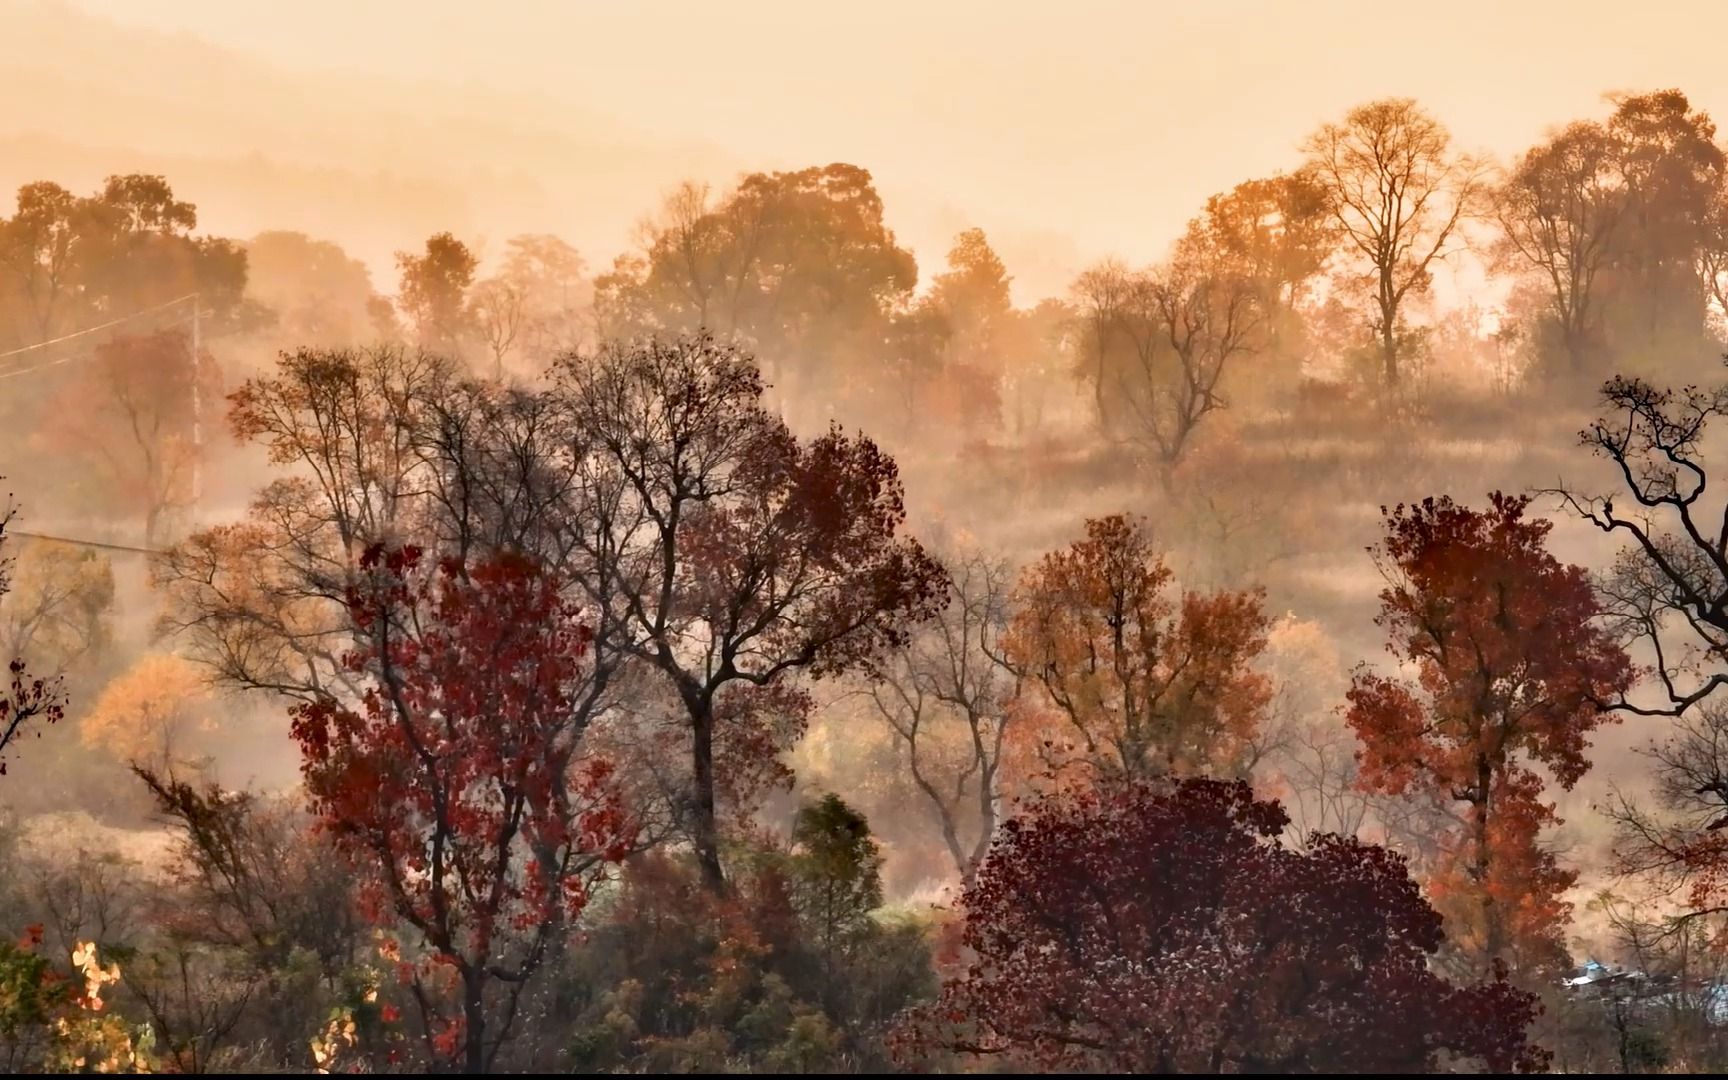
(637,537)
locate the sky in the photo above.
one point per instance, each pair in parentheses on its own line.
(1097,126)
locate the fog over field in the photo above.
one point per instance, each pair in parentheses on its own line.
(932,537)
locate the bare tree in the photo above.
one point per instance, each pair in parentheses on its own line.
(1318,762)
(947,695)
(1678,847)
(1100,295)
(383,445)
(498,313)
(1669,586)
(1399,193)
(1188,322)
(265,601)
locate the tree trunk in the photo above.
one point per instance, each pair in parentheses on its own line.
(1493,933)
(1389,346)
(704,826)
(474,1018)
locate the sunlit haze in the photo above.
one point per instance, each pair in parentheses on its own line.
(1066,132)
(792,537)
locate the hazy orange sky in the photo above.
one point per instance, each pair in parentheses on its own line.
(1105,123)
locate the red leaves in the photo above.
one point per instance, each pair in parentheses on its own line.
(459,785)
(447,1039)
(1510,663)
(27,699)
(399,560)
(1162,927)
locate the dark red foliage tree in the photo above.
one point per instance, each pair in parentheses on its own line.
(1162,927)
(1511,659)
(459,787)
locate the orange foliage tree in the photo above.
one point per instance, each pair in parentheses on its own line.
(1511,660)
(1134,683)
(149,711)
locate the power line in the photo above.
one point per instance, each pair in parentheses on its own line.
(86,543)
(96,329)
(74,357)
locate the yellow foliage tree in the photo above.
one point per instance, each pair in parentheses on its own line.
(149,710)
(58,609)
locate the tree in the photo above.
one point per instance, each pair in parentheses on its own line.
(1669,585)
(837,872)
(68,262)
(1512,661)
(1558,210)
(691,981)
(253,877)
(320,294)
(498,315)
(973,294)
(953,348)
(265,601)
(29,701)
(796,265)
(948,695)
(434,292)
(1136,685)
(60,607)
(1101,295)
(1188,322)
(930,388)
(1038,365)
(1398,192)
(1159,342)
(53,1021)
(1679,847)
(459,787)
(1668,590)
(1161,927)
(1312,769)
(728,554)
(557,297)
(131,416)
(149,712)
(36,246)
(1278,233)
(134,249)
(1672,168)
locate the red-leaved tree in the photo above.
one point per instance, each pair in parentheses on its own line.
(458,786)
(1161,926)
(1511,660)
